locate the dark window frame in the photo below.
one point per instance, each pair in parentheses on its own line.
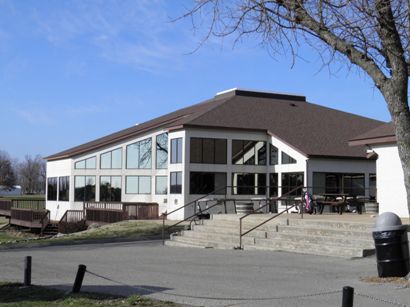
(287,159)
(220,190)
(252,188)
(288,186)
(256,155)
(52,188)
(175,188)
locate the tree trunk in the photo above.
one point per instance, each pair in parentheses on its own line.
(397,101)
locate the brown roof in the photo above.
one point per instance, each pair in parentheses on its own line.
(312,129)
(382,134)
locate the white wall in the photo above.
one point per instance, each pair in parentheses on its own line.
(391,193)
(60,168)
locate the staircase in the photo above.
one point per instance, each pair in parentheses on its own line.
(51,229)
(320,236)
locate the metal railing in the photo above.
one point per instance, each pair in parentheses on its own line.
(283,197)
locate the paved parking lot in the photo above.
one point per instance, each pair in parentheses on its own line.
(206,277)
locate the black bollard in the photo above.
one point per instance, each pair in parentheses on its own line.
(348,293)
(27,271)
(79,278)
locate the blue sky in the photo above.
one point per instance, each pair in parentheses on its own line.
(72,71)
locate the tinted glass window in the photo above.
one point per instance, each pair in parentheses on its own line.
(196,150)
(63,188)
(52,188)
(273,153)
(286,159)
(110,188)
(162,151)
(290,181)
(248,152)
(273,184)
(161,185)
(84,188)
(207,150)
(243,183)
(139,154)
(206,183)
(220,151)
(176,150)
(176,183)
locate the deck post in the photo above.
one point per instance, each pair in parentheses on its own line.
(79,278)
(27,271)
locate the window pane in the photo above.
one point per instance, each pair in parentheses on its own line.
(131,185)
(286,159)
(132,155)
(79,188)
(52,188)
(248,152)
(105,188)
(176,150)
(144,186)
(291,181)
(261,153)
(89,188)
(273,184)
(64,188)
(237,156)
(261,184)
(220,151)
(202,183)
(116,158)
(243,183)
(208,149)
(196,150)
(105,160)
(372,186)
(353,184)
(161,183)
(273,155)
(80,164)
(176,183)
(145,153)
(162,151)
(220,183)
(91,163)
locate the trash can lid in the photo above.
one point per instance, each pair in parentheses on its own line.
(388,221)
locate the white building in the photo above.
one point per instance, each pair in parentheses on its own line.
(238,142)
(391,192)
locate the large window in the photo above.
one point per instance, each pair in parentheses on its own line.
(205,150)
(372,186)
(176,150)
(248,152)
(273,155)
(84,188)
(138,185)
(205,183)
(290,181)
(111,159)
(64,188)
(110,188)
(286,159)
(176,183)
(139,154)
(248,184)
(162,151)
(52,188)
(161,185)
(273,184)
(89,163)
(352,184)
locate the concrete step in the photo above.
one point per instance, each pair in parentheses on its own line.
(311,248)
(195,242)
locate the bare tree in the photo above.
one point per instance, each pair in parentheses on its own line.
(32,175)
(7,171)
(371,35)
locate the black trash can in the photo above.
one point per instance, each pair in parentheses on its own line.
(392,246)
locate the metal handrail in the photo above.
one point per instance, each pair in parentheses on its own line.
(269,219)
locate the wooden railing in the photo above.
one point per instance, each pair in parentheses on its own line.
(35,204)
(5,207)
(112,212)
(30,218)
(72,221)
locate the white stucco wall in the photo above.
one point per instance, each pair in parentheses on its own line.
(391,193)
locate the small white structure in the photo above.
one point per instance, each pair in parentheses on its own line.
(391,192)
(15,191)
(242,144)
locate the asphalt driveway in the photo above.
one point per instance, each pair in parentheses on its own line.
(206,277)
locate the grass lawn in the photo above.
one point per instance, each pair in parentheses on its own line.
(3,221)
(14,294)
(11,235)
(121,231)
